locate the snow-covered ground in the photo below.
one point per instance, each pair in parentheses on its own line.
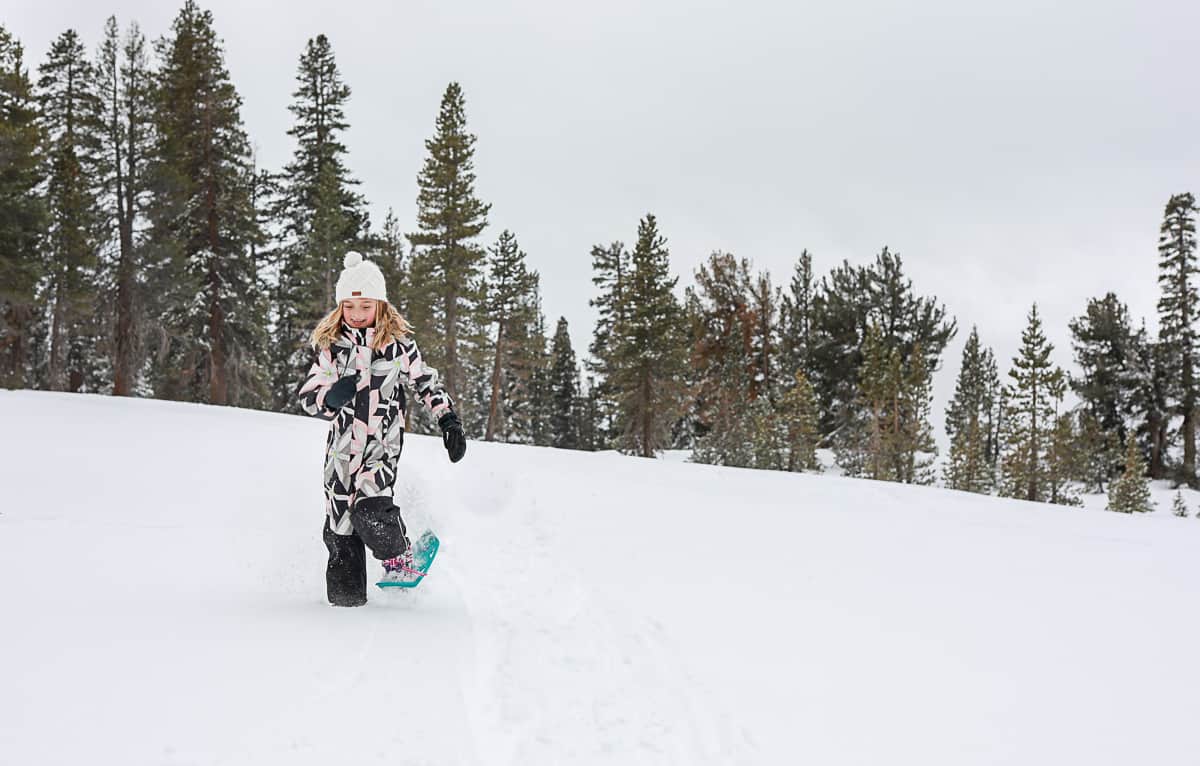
(163,603)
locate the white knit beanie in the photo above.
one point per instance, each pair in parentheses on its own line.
(360,279)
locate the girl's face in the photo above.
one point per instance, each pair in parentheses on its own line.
(359,312)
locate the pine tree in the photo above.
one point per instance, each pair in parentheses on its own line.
(917,448)
(70,114)
(1029,415)
(798,412)
(1062,453)
(865,445)
(533,420)
(890,437)
(321,217)
(650,349)
(564,390)
(510,308)
(1098,448)
(587,417)
(846,303)
(768,436)
(527,391)
(764,344)
(994,417)
(203,222)
(1177,316)
(1131,492)
(1150,401)
(390,258)
(796,319)
(839,326)
(724,367)
(969,420)
(22,212)
(126,139)
(445,255)
(1178,506)
(1104,344)
(610,275)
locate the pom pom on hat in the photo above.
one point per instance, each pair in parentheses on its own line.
(360,279)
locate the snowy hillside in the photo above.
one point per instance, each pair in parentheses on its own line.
(163,603)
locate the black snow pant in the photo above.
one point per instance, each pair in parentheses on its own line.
(378,526)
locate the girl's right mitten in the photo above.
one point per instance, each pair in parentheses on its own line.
(341,393)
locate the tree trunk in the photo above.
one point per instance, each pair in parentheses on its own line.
(451,311)
(1034,445)
(17,321)
(54,368)
(123,371)
(1189,422)
(126,342)
(647,414)
(1157,432)
(218,385)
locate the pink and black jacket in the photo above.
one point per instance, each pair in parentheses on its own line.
(366,435)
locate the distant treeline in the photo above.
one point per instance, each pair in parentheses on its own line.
(144,253)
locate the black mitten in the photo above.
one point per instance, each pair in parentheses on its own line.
(341,392)
(453,438)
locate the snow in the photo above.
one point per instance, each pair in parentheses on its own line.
(162,575)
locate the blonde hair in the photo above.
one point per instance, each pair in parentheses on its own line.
(389,326)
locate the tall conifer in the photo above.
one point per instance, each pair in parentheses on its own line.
(391,258)
(1177,308)
(796,319)
(724,362)
(610,275)
(320,214)
(1104,343)
(127,118)
(1151,399)
(917,448)
(650,350)
(445,253)
(70,114)
(798,412)
(764,334)
(209,305)
(969,419)
(532,420)
(564,390)
(1029,415)
(850,299)
(588,418)
(510,310)
(22,211)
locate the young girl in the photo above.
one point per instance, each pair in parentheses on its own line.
(363,348)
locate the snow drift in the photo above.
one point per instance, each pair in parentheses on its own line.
(162,576)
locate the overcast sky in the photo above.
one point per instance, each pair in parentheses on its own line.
(1010,152)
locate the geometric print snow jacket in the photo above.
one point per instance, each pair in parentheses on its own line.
(366,435)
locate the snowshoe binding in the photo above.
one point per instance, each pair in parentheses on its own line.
(409,568)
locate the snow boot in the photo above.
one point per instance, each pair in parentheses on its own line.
(400,570)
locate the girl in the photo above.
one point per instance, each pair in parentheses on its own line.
(363,348)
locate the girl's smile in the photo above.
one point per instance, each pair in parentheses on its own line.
(359,312)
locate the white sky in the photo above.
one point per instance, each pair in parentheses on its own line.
(1009,152)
